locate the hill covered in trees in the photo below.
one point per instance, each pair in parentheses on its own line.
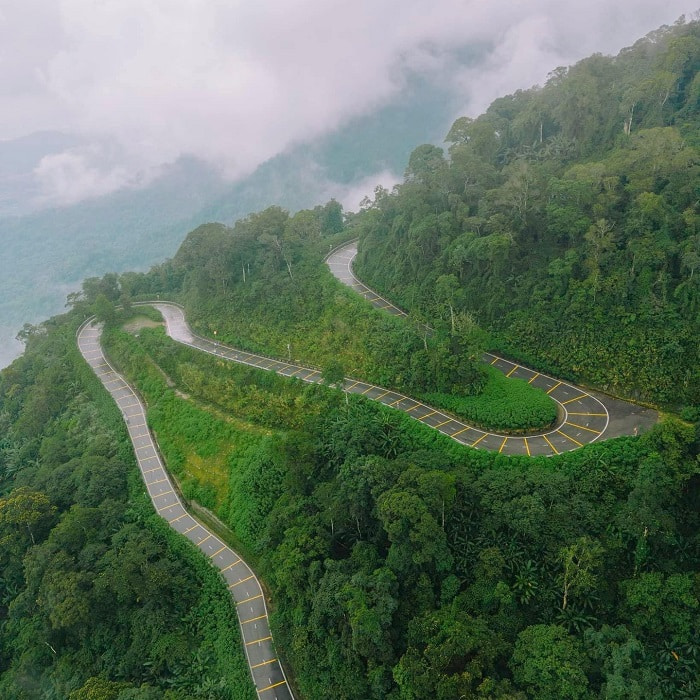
(400,564)
(566,219)
(98,599)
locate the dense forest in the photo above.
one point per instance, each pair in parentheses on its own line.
(400,564)
(566,219)
(98,599)
(403,565)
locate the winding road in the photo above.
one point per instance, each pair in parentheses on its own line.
(584,417)
(265,668)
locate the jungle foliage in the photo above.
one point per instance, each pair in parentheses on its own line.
(403,565)
(98,599)
(565,219)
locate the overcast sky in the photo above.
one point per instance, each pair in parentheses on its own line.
(237,81)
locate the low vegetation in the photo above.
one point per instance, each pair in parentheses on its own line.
(504,403)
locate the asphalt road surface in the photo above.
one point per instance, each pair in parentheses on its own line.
(265,668)
(584,416)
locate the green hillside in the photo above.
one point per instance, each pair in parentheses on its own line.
(566,220)
(401,565)
(98,599)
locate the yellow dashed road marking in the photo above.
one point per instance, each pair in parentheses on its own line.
(558,384)
(503,444)
(527,448)
(269,687)
(583,427)
(253,619)
(554,449)
(474,444)
(533,378)
(256,641)
(583,396)
(230,566)
(513,370)
(169,505)
(568,437)
(243,580)
(247,600)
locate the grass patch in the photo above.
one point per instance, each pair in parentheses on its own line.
(137,323)
(198,447)
(505,403)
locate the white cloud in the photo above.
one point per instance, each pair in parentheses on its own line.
(553,33)
(236,82)
(351,196)
(68,177)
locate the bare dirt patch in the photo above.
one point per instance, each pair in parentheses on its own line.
(136,324)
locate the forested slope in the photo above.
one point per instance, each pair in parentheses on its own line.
(97,598)
(401,565)
(566,219)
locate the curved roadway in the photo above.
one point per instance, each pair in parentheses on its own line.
(265,668)
(584,416)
